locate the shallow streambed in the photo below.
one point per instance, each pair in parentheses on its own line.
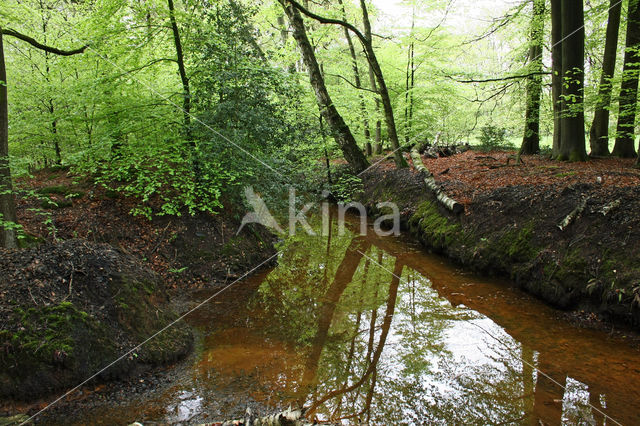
(371,329)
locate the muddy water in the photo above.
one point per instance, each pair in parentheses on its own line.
(373,330)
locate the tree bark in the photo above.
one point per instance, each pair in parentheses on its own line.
(531,139)
(358,83)
(599,134)
(341,132)
(366,40)
(377,148)
(572,146)
(7,203)
(382,85)
(186,91)
(556,79)
(446,201)
(624,146)
(410,82)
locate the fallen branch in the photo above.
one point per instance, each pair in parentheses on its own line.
(442,198)
(611,206)
(288,418)
(573,215)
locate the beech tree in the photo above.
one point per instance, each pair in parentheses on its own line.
(624,146)
(358,84)
(572,140)
(531,139)
(599,133)
(341,132)
(556,78)
(8,217)
(366,40)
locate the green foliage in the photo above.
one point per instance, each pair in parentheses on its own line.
(346,186)
(492,137)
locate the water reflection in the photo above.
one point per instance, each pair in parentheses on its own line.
(360,329)
(372,330)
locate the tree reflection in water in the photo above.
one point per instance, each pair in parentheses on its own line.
(367,337)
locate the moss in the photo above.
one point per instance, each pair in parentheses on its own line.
(57,190)
(516,244)
(112,194)
(433,228)
(28,241)
(49,204)
(229,248)
(565,174)
(49,338)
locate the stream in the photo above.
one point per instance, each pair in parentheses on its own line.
(369,329)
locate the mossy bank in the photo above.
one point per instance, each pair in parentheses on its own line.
(593,265)
(72,308)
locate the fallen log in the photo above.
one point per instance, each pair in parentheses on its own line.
(611,206)
(287,418)
(442,198)
(573,215)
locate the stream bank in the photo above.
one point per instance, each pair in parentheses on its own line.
(510,227)
(92,282)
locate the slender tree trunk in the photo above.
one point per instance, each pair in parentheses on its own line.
(7,203)
(339,128)
(572,147)
(186,91)
(599,134)
(409,82)
(54,134)
(384,92)
(556,79)
(358,84)
(374,86)
(624,146)
(531,139)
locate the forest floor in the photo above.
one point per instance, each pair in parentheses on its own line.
(510,226)
(98,259)
(187,252)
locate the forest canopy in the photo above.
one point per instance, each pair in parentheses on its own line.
(181,103)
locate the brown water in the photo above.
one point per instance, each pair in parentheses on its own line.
(373,330)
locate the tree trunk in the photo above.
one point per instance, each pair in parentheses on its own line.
(358,83)
(624,146)
(572,145)
(531,139)
(7,203)
(339,128)
(408,96)
(54,132)
(186,91)
(556,79)
(384,92)
(377,149)
(599,134)
(431,183)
